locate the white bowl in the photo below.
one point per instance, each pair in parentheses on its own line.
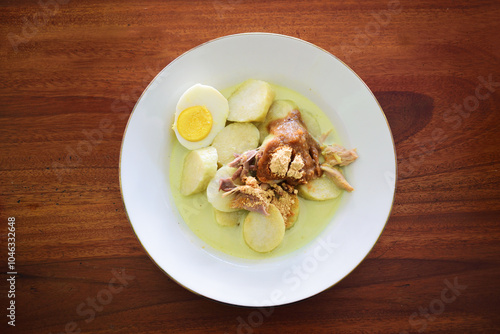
(357,224)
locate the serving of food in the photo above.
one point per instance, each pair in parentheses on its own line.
(252,156)
(239,175)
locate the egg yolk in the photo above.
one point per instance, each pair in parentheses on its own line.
(194,123)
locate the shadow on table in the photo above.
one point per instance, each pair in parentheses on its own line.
(407,112)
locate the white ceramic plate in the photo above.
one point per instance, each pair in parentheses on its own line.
(356,226)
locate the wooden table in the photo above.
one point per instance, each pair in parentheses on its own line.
(67,67)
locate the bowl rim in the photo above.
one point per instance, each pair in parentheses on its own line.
(256,34)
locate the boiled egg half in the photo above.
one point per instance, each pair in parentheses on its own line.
(200,114)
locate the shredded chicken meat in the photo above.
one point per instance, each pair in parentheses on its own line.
(338,155)
(336,176)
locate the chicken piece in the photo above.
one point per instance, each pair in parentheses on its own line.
(251,197)
(251,201)
(245,163)
(226,184)
(336,176)
(336,155)
(244,158)
(290,132)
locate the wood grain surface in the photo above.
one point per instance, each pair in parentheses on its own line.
(71,72)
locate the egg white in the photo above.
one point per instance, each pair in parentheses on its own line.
(214,101)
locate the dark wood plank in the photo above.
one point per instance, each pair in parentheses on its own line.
(86,63)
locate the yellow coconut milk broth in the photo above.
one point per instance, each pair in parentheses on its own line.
(198,214)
